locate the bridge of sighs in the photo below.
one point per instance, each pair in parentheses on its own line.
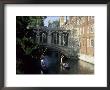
(58,39)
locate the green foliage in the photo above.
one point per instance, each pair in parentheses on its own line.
(26,46)
(22,22)
(54,24)
(26,38)
(36,21)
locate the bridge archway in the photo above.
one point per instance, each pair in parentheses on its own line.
(43,37)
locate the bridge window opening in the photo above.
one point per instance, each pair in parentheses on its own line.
(64,39)
(55,38)
(52,38)
(43,37)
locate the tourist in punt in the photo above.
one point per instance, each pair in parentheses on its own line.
(44,64)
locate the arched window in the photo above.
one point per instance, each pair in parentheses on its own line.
(43,37)
(64,39)
(92,28)
(92,42)
(55,38)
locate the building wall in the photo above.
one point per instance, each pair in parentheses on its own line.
(84,33)
(86,37)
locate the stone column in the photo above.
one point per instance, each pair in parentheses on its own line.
(66,38)
(59,38)
(49,38)
(63,39)
(56,38)
(70,37)
(42,37)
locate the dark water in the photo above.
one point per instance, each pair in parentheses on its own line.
(76,66)
(31,66)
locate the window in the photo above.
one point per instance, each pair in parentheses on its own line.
(43,38)
(92,43)
(82,42)
(64,39)
(92,29)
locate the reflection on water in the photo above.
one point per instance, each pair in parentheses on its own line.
(81,67)
(76,67)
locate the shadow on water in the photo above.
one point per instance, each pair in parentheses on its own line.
(53,63)
(32,65)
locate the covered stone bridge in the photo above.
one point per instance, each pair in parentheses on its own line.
(61,40)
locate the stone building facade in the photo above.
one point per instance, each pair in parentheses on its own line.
(83,30)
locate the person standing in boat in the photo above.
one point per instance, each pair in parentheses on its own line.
(44,64)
